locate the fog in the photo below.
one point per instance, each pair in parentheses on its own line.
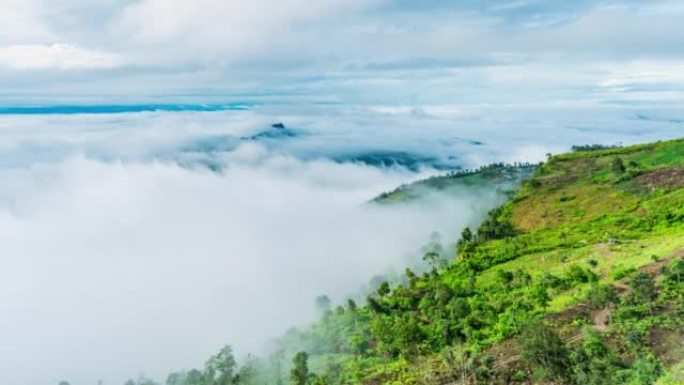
(123,253)
(112,269)
(120,265)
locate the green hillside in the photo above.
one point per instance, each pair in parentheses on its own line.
(577,279)
(499,176)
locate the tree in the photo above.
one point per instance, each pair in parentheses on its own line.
(645,371)
(464,244)
(384,289)
(543,348)
(177,378)
(495,226)
(505,277)
(323,303)
(540,296)
(299,374)
(643,289)
(351,304)
(602,295)
(247,372)
(435,260)
(194,377)
(595,364)
(618,165)
(219,368)
(276,360)
(676,271)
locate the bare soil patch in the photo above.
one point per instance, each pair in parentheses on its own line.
(666,178)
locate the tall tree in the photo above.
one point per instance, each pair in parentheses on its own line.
(219,369)
(300,369)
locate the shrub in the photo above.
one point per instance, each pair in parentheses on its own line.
(602,295)
(542,347)
(617,165)
(621,273)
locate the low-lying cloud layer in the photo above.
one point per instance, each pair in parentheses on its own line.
(111,269)
(143,242)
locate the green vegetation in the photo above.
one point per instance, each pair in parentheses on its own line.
(577,279)
(498,176)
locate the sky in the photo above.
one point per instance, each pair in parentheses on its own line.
(150,212)
(467,52)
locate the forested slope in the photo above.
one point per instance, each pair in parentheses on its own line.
(499,176)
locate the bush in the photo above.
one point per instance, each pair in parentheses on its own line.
(495,226)
(618,166)
(579,275)
(621,273)
(542,347)
(602,295)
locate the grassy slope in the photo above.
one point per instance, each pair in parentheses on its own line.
(581,210)
(577,208)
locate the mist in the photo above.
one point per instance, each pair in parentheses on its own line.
(114,268)
(143,242)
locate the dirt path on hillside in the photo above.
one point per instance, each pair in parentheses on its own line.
(602,319)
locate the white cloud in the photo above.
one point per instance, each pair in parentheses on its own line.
(333,49)
(645,72)
(214,32)
(120,261)
(56,57)
(116,268)
(20,21)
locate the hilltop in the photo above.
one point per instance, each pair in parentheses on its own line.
(577,279)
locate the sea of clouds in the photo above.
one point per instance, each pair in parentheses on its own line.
(143,242)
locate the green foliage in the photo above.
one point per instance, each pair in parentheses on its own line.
(618,165)
(219,369)
(601,295)
(595,364)
(591,147)
(556,251)
(323,304)
(299,375)
(621,273)
(542,347)
(540,296)
(644,371)
(497,176)
(495,226)
(643,289)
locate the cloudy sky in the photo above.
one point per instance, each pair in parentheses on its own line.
(143,240)
(346,51)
